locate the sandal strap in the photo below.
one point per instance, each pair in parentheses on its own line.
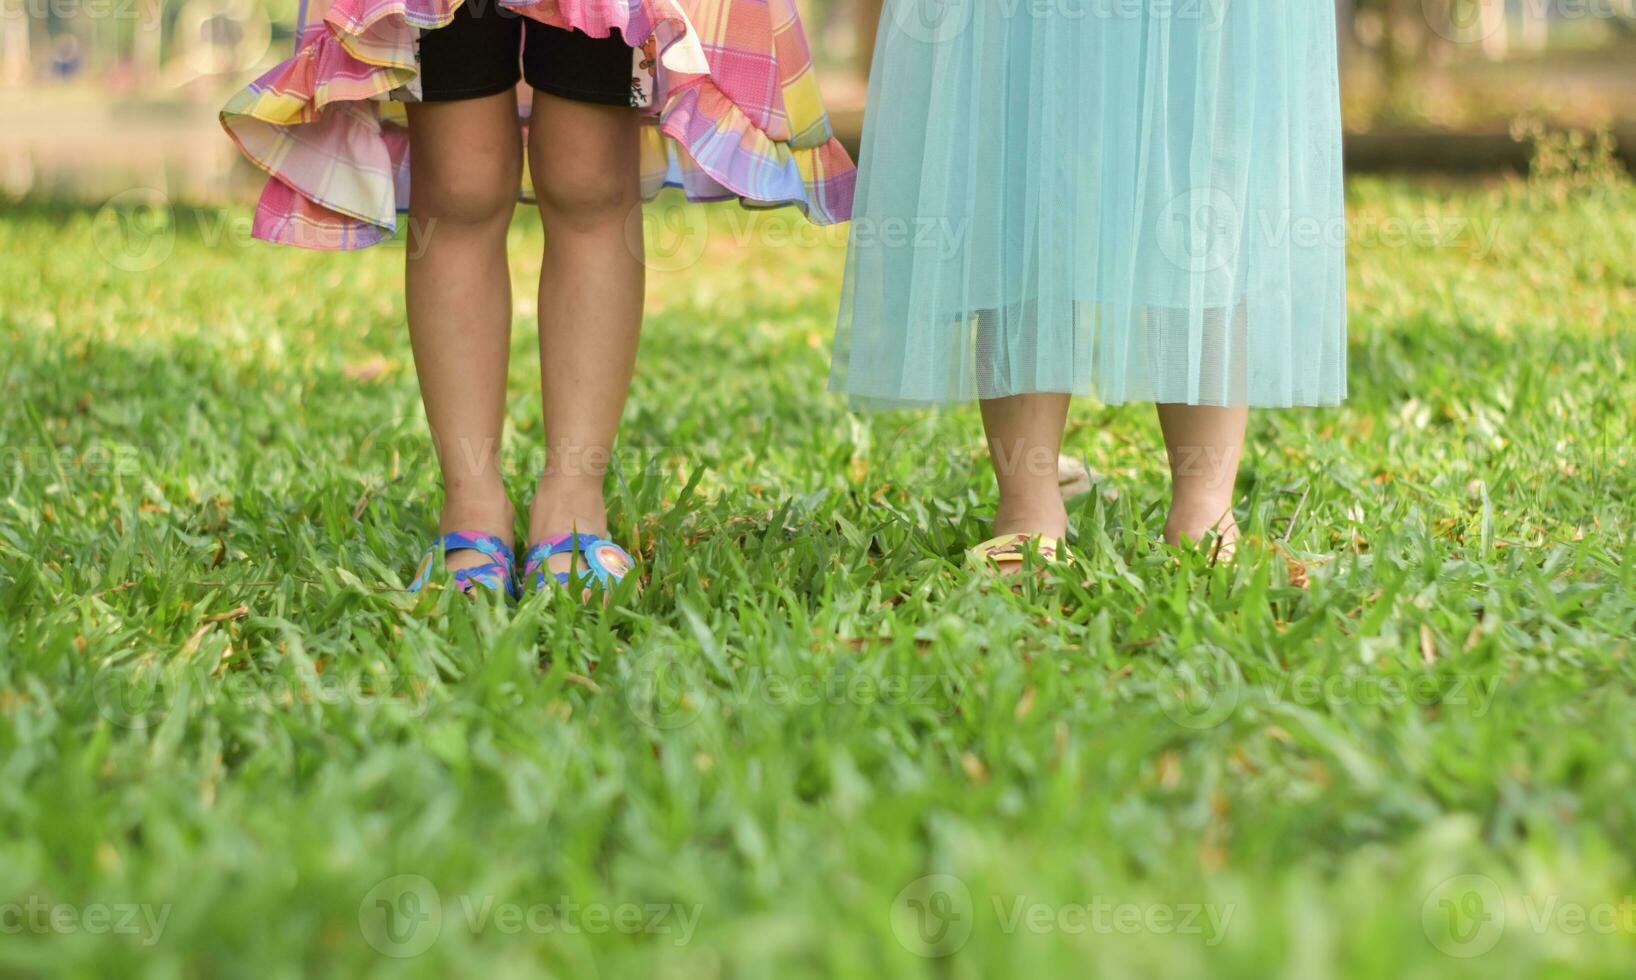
(604,560)
(488,544)
(492,574)
(1007,548)
(559,543)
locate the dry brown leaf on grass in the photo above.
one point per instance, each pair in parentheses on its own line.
(237,612)
(1073,477)
(1168,769)
(192,644)
(1025,704)
(367,370)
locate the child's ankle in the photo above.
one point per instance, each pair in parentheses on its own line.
(488,513)
(1044,516)
(560,506)
(1197,520)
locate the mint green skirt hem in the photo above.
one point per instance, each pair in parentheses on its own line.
(1133,206)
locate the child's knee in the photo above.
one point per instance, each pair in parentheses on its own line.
(586,198)
(469,201)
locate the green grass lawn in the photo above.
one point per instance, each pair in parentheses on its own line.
(1397,738)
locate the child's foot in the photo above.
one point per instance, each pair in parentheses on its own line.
(1048,518)
(496,517)
(1195,525)
(1041,525)
(555,516)
(561,510)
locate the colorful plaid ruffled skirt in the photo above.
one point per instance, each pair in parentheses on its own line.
(731,95)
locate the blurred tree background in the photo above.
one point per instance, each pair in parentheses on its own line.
(141,47)
(104,66)
(193,48)
(1458,62)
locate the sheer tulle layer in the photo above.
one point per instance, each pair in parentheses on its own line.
(1096,199)
(735,111)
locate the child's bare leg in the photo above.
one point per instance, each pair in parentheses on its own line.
(1024,439)
(463,188)
(584,163)
(1204,444)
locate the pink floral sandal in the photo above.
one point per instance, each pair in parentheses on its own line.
(494,574)
(606,563)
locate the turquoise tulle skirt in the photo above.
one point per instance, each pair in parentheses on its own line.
(1135,199)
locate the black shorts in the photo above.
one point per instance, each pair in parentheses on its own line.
(477,54)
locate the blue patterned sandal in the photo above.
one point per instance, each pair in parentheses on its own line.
(606,563)
(494,574)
